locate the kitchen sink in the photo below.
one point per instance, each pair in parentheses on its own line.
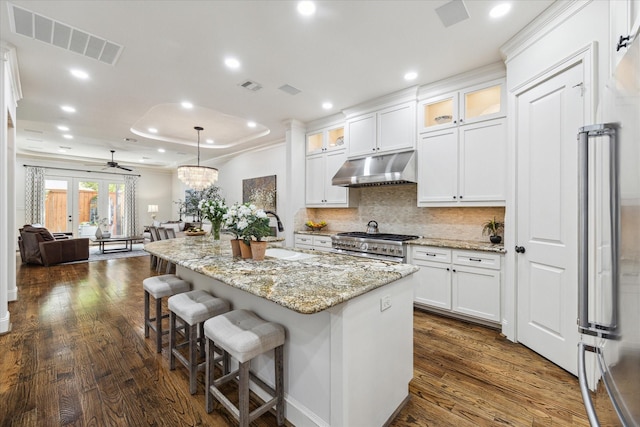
(287,255)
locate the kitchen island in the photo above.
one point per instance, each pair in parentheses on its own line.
(348,322)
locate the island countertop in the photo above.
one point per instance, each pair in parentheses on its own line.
(306,286)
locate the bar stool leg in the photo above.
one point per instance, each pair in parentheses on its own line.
(172,340)
(243,392)
(159,325)
(201,339)
(279,368)
(209,376)
(146,314)
(193,358)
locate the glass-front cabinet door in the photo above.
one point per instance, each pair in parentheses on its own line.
(327,139)
(482,103)
(471,105)
(438,113)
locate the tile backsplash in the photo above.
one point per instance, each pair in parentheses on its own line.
(395,209)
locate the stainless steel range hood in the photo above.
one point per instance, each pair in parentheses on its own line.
(386,169)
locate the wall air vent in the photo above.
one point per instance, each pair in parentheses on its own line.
(289,89)
(47,30)
(251,85)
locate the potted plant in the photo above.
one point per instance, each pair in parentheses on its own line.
(493,228)
(252,224)
(231,221)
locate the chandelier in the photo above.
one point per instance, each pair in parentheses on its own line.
(197,177)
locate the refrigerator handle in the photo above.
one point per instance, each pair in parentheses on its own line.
(584,325)
(584,386)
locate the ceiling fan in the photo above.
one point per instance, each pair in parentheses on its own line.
(114,164)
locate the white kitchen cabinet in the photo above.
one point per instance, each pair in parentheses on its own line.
(320,169)
(457,282)
(391,129)
(326,139)
(464,165)
(471,105)
(434,277)
(311,242)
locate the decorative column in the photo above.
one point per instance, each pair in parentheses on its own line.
(295,165)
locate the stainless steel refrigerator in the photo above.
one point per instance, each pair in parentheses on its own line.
(609,247)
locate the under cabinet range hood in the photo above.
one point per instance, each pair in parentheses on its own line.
(385,169)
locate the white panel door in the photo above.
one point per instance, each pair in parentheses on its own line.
(397,128)
(361,135)
(549,115)
(315,180)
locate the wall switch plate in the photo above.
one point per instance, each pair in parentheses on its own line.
(385,302)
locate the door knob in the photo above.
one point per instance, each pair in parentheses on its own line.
(520,249)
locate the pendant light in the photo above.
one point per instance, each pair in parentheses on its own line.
(198,177)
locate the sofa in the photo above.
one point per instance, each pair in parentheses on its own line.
(38,246)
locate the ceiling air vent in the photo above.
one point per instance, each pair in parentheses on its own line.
(453,12)
(251,85)
(289,89)
(47,30)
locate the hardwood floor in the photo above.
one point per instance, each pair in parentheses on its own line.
(77,356)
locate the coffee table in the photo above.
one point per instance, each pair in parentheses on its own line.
(127,240)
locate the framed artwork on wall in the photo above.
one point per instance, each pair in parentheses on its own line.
(260,191)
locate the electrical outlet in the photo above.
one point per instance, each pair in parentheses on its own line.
(385,302)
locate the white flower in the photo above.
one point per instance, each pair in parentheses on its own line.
(261,214)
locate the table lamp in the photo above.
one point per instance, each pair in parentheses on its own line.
(153,210)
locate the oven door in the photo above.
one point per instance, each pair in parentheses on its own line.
(368,255)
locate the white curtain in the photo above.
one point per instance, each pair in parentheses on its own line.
(34,195)
(130,211)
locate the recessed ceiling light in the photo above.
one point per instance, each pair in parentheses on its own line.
(251,124)
(161,150)
(327,105)
(80,74)
(232,63)
(67,136)
(500,10)
(63,128)
(411,75)
(61,150)
(186,104)
(209,141)
(153,130)
(141,160)
(68,108)
(306,8)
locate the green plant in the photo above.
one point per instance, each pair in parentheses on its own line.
(492,227)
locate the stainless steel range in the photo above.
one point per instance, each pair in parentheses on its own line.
(384,246)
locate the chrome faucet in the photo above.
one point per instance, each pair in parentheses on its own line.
(275,215)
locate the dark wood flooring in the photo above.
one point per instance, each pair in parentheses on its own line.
(77,356)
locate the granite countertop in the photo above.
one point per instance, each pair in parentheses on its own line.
(458,244)
(429,241)
(306,286)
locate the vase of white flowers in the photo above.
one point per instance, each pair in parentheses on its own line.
(231,219)
(213,210)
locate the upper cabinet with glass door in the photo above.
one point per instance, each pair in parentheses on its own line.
(470,105)
(326,139)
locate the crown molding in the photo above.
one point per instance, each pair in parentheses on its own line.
(550,19)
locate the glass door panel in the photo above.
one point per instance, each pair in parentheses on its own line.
(57,206)
(87,209)
(116,209)
(441,112)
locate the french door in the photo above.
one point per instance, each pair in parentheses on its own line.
(80,205)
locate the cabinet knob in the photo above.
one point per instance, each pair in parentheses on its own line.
(455,197)
(461,120)
(520,249)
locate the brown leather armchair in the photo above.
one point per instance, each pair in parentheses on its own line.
(38,246)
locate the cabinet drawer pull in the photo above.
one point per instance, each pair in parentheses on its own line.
(429,254)
(475,259)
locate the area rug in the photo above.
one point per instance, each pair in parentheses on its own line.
(95,255)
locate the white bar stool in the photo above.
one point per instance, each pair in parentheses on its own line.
(192,308)
(159,287)
(243,335)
